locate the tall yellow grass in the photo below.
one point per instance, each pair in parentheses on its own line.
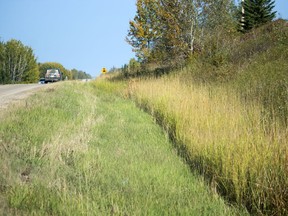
(224,139)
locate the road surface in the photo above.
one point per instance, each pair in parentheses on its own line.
(10,93)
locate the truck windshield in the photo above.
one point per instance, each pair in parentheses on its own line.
(52,71)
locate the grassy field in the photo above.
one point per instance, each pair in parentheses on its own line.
(224,138)
(79,149)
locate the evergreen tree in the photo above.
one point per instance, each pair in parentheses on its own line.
(256,13)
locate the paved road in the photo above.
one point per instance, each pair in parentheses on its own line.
(9,93)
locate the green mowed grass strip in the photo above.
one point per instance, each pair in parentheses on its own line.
(79,149)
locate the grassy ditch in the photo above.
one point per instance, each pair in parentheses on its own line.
(223,138)
(79,149)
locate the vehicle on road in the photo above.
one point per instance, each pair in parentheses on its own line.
(53,75)
(41,81)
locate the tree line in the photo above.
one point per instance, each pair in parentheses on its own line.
(18,64)
(170,32)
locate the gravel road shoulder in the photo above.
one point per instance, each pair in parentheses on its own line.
(14,93)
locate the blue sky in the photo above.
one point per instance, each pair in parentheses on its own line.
(82,34)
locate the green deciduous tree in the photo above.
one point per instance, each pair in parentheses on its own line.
(173,27)
(129,70)
(144,29)
(256,13)
(18,63)
(74,74)
(31,74)
(218,21)
(218,13)
(134,66)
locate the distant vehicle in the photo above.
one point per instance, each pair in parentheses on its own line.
(41,81)
(53,75)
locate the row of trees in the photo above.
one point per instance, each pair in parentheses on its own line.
(169,31)
(18,64)
(78,74)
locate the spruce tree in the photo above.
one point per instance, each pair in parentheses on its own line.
(256,13)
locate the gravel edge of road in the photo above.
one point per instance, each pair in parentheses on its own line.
(6,101)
